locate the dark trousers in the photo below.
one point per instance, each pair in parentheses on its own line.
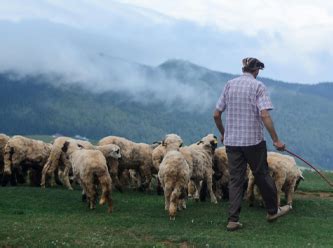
(256,157)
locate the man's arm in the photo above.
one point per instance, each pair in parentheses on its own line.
(268,122)
(218,123)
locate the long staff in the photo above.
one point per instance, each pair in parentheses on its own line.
(295,155)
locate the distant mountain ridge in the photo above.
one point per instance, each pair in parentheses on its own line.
(39,104)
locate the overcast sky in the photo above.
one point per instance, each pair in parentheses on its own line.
(293,38)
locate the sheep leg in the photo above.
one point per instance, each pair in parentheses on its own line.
(44,173)
(250,191)
(174,198)
(210,189)
(90,190)
(167,194)
(65,178)
(182,203)
(106,185)
(159,187)
(279,184)
(145,172)
(290,193)
(197,190)
(113,166)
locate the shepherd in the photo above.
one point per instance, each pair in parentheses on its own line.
(246,104)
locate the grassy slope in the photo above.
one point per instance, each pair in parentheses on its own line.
(314,183)
(32,217)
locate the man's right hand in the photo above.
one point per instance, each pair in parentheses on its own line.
(279,145)
(222,139)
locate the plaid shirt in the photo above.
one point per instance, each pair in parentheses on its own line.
(243,98)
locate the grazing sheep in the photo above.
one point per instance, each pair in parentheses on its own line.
(25,154)
(137,156)
(200,159)
(59,160)
(285,173)
(112,155)
(221,173)
(90,169)
(174,175)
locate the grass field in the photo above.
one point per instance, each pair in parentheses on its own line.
(56,217)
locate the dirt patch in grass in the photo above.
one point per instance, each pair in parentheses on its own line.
(169,243)
(307,195)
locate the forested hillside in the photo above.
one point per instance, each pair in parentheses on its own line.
(45,104)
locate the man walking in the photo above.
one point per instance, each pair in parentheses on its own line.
(247,106)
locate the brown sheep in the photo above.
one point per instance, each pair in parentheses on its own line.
(24,154)
(174,175)
(221,173)
(90,169)
(285,173)
(137,156)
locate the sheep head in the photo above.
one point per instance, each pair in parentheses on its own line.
(209,142)
(172,142)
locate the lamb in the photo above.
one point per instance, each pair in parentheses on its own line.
(285,173)
(59,160)
(174,175)
(24,154)
(137,156)
(90,169)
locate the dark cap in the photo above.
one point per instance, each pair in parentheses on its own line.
(252,64)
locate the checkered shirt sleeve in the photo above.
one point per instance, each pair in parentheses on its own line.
(221,102)
(263,100)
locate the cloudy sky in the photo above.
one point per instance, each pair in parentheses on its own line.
(293,38)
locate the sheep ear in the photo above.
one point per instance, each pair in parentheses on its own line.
(199,142)
(163,143)
(80,146)
(181,145)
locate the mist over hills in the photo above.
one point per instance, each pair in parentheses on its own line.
(144,103)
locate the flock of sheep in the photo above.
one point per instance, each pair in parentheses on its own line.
(196,171)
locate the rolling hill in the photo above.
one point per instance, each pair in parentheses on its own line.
(176,96)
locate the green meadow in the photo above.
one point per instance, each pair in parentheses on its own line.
(56,217)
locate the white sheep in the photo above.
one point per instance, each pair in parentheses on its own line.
(137,156)
(174,175)
(25,154)
(199,157)
(90,169)
(285,173)
(59,160)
